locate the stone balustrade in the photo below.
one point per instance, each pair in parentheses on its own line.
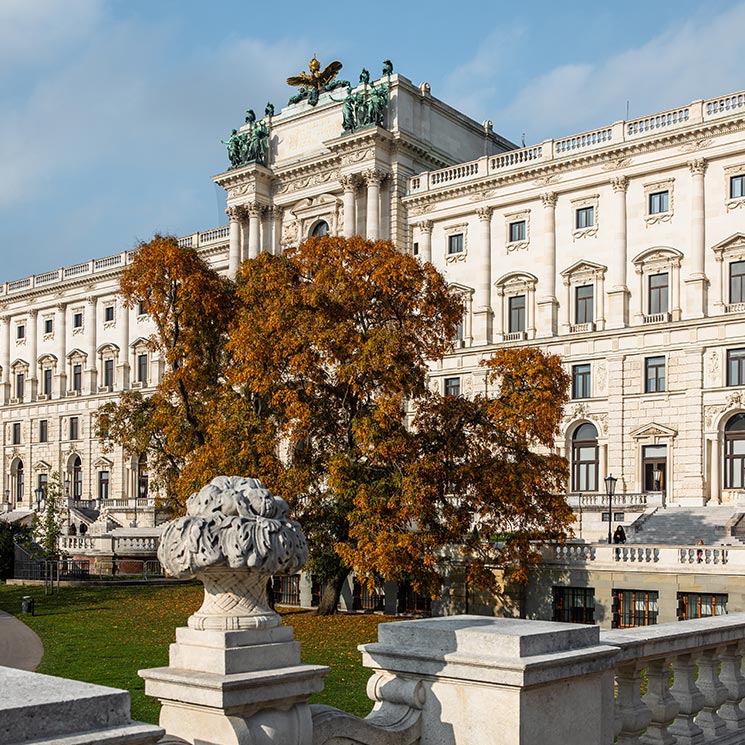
(587,501)
(106,545)
(662,558)
(632,130)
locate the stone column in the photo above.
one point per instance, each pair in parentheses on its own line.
(373,178)
(696,281)
(5,359)
(254,228)
(714,494)
(267,221)
(618,292)
(244,235)
(31,341)
(91,333)
(234,245)
(482,316)
(277,213)
(122,323)
(60,338)
(425,240)
(546,290)
(385,209)
(349,183)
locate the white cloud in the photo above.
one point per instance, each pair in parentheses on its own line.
(688,60)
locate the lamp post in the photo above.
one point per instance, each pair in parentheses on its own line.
(7,499)
(610,490)
(39,493)
(657,478)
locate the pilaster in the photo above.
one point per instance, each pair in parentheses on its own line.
(546,303)
(482,311)
(234,245)
(696,281)
(618,292)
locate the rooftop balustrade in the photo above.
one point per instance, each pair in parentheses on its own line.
(553,150)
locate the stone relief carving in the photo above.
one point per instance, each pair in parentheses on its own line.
(699,144)
(546,180)
(617,163)
(235,535)
(712,368)
(602,422)
(601,378)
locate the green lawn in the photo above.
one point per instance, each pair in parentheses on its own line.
(105,634)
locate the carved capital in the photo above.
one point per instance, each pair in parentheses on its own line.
(549,199)
(4,320)
(61,307)
(32,314)
(698,166)
(484,213)
(254,209)
(234,213)
(349,181)
(91,300)
(619,183)
(425,226)
(373,176)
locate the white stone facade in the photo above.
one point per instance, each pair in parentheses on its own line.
(619,249)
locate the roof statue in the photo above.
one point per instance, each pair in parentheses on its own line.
(312,84)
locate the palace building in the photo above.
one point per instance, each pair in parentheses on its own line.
(622,249)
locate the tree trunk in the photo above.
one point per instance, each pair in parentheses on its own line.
(332,587)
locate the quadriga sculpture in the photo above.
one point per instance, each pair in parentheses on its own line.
(235,535)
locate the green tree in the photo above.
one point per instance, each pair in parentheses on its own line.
(10,534)
(48,525)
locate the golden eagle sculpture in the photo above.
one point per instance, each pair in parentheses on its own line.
(317,79)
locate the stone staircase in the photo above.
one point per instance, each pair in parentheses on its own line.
(686,526)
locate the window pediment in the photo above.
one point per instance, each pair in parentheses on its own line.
(583,271)
(42,465)
(658,257)
(731,248)
(516,282)
(653,430)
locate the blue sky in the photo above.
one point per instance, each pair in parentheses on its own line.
(111,113)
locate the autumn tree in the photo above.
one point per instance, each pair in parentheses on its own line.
(480,478)
(334,338)
(190,305)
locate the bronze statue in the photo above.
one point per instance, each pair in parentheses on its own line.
(317,79)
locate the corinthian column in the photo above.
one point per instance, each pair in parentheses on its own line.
(349,183)
(546,291)
(31,337)
(482,316)
(696,280)
(373,178)
(618,292)
(425,240)
(234,245)
(5,358)
(254,228)
(91,333)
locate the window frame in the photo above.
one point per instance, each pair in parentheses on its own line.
(657,187)
(739,285)
(456,244)
(21,332)
(659,202)
(737,356)
(517,316)
(581,380)
(451,386)
(78,319)
(584,308)
(734,461)
(43,430)
(77,377)
(584,469)
(647,615)
(104,484)
(654,364)
(143,367)
(654,294)
(573,604)
(584,217)
(16,433)
(73,428)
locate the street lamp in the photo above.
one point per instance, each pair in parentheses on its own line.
(39,492)
(657,478)
(610,490)
(7,499)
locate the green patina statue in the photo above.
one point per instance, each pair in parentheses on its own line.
(364,76)
(269,110)
(364,109)
(248,147)
(250,117)
(387,67)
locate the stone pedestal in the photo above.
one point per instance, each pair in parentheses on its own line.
(44,710)
(696,290)
(504,681)
(236,687)
(546,317)
(482,326)
(618,308)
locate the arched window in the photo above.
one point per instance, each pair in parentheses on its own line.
(585,458)
(19,481)
(734,452)
(320,229)
(77,478)
(142,477)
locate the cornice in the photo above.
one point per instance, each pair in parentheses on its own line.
(552,169)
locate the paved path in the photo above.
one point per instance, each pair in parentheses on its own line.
(19,646)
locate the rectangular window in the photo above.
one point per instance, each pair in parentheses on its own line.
(654,379)
(634,608)
(108,313)
(455,243)
(16,433)
(74,428)
(141,310)
(585,217)
(415,249)
(701,605)
(736,367)
(142,368)
(584,304)
(77,377)
(108,373)
(452,387)
(517,231)
(736,187)
(43,430)
(574,604)
(47,373)
(20,385)
(516,314)
(581,381)
(77,320)
(737,282)
(658,293)
(659,201)
(20,331)
(42,483)
(48,325)
(103,484)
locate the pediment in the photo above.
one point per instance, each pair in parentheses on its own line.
(516,278)
(42,465)
(76,353)
(457,289)
(103,463)
(735,243)
(652,429)
(584,267)
(321,204)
